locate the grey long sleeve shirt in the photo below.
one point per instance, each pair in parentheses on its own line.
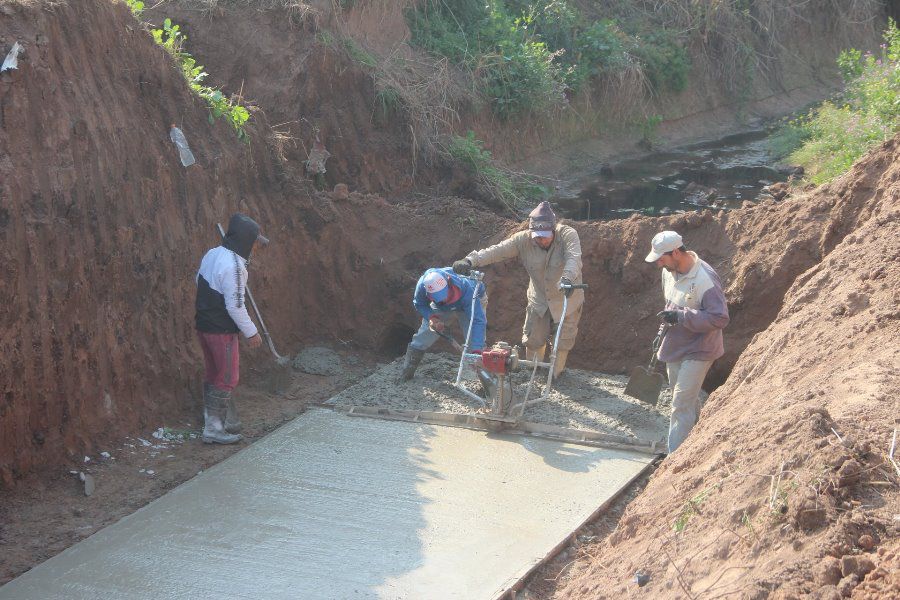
(703,313)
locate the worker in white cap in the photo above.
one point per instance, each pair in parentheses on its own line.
(696,312)
(443,297)
(551,254)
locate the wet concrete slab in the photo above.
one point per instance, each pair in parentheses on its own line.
(331,506)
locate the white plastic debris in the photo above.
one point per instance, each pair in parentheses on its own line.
(142,471)
(184,151)
(105,455)
(144,442)
(12,59)
(73,472)
(87,459)
(151,472)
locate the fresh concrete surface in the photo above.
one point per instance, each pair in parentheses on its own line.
(336,507)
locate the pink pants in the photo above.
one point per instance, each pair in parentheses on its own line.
(220,356)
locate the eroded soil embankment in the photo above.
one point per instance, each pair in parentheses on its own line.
(785,487)
(101,229)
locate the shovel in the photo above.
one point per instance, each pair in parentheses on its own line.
(280,379)
(645,383)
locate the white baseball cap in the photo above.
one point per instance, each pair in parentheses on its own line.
(662,242)
(435,286)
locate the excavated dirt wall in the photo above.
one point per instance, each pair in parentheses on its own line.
(313,70)
(784,489)
(101,230)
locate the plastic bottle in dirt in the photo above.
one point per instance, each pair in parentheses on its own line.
(184,151)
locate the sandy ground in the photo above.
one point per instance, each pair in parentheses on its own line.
(579,400)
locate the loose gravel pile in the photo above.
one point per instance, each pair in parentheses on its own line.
(580,399)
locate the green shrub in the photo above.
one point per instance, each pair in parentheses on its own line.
(665,62)
(172,40)
(838,132)
(516,69)
(137,8)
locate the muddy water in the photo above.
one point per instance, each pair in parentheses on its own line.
(719,174)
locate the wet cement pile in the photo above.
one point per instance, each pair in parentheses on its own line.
(579,400)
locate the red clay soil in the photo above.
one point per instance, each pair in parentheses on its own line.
(305,81)
(784,490)
(101,231)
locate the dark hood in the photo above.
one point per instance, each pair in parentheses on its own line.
(242,232)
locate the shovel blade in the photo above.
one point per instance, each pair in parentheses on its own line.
(645,385)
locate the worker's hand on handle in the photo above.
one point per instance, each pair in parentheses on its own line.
(435,324)
(255,341)
(669,316)
(462,267)
(565,284)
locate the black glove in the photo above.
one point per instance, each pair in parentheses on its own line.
(563,283)
(462,267)
(669,316)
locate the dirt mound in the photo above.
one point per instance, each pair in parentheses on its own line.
(783,488)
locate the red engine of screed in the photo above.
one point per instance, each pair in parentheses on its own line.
(496,360)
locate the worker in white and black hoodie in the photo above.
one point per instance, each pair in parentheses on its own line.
(221,315)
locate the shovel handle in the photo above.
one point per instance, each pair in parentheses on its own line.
(657,342)
(262,324)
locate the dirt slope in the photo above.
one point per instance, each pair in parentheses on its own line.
(101,230)
(783,489)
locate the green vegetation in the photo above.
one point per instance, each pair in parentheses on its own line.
(527,55)
(690,508)
(831,137)
(513,190)
(169,36)
(172,40)
(136,6)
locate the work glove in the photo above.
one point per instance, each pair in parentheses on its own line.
(462,267)
(564,281)
(669,316)
(435,324)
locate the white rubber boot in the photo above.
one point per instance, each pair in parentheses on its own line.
(214,418)
(232,420)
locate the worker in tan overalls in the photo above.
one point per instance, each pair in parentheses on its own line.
(551,253)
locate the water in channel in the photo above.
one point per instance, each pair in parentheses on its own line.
(719,174)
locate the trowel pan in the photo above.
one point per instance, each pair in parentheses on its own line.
(645,385)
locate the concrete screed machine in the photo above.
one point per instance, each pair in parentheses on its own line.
(501,411)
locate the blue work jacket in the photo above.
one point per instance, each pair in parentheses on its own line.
(426,307)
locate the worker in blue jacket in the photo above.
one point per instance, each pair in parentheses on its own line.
(443,297)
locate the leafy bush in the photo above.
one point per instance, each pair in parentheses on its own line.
(526,54)
(137,8)
(172,40)
(601,47)
(665,62)
(838,132)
